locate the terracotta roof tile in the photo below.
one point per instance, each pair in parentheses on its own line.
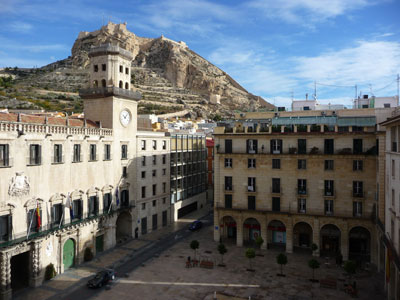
(32,119)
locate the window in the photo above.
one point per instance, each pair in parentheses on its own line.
(393,169)
(393,198)
(154,173)
(125,198)
(301,186)
(302,205)
(154,203)
(276,204)
(164,200)
(107,152)
(164,187)
(329,207)
(228,201)
(164,145)
(57,211)
(143,161)
(301,164)
(124,172)
(328,146)
(154,189)
(154,145)
(357,146)
(328,165)
(251,163)
(103,83)
(143,192)
(93,154)
(78,208)
(386,105)
(228,183)
(154,159)
(58,157)
(357,209)
(276,163)
(35,154)
(96,68)
(127,71)
(121,69)
(302,146)
(121,84)
(5,227)
(164,159)
(4,156)
(77,153)
(164,171)
(276,146)
(143,144)
(103,67)
(143,206)
(251,146)
(357,165)
(328,188)
(251,202)
(251,184)
(228,162)
(358,189)
(228,146)
(32,220)
(143,174)
(124,151)
(93,206)
(107,202)
(276,185)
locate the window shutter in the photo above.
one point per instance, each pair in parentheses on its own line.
(6,155)
(255,145)
(53,214)
(31,154)
(39,155)
(280,146)
(9,227)
(354,209)
(271,144)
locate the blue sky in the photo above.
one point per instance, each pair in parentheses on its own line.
(272,47)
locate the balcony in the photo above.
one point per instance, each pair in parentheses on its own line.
(109,91)
(302,191)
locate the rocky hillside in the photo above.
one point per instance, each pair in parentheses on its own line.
(170,76)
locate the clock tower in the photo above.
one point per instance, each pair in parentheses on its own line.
(109,100)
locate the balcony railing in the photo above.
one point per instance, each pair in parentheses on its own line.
(357,194)
(329,193)
(250,188)
(312,151)
(109,91)
(227,187)
(302,191)
(44,230)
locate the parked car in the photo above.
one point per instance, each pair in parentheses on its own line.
(101,278)
(195,225)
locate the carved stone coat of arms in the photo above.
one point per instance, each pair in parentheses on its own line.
(19,185)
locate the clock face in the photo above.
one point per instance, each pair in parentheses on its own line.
(125,117)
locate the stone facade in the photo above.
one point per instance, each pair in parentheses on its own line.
(300,178)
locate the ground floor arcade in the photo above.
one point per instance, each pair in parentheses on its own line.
(349,237)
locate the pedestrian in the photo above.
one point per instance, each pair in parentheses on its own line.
(189,259)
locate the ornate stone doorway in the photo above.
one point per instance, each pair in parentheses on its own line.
(20,266)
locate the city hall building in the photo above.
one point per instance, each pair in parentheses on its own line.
(73,185)
(302,178)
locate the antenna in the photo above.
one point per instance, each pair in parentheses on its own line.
(355,87)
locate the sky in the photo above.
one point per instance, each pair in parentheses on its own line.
(277,49)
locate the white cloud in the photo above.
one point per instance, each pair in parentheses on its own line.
(20,27)
(306,12)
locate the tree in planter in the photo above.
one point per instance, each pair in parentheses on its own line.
(194,245)
(281,259)
(222,250)
(313,264)
(259,241)
(314,247)
(50,272)
(250,254)
(350,268)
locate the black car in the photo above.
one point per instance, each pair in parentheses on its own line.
(101,278)
(195,225)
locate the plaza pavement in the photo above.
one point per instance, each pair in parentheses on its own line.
(166,277)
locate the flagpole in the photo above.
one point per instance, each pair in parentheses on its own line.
(30,223)
(62,216)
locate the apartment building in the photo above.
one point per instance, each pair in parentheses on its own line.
(391,226)
(152,181)
(188,173)
(304,177)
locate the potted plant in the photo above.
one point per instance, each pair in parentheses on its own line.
(313,264)
(281,259)
(259,241)
(250,254)
(222,250)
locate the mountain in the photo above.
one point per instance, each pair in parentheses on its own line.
(170,76)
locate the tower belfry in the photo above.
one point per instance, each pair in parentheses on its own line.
(109,89)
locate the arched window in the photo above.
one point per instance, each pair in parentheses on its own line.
(103,83)
(121,85)
(95,84)
(126,85)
